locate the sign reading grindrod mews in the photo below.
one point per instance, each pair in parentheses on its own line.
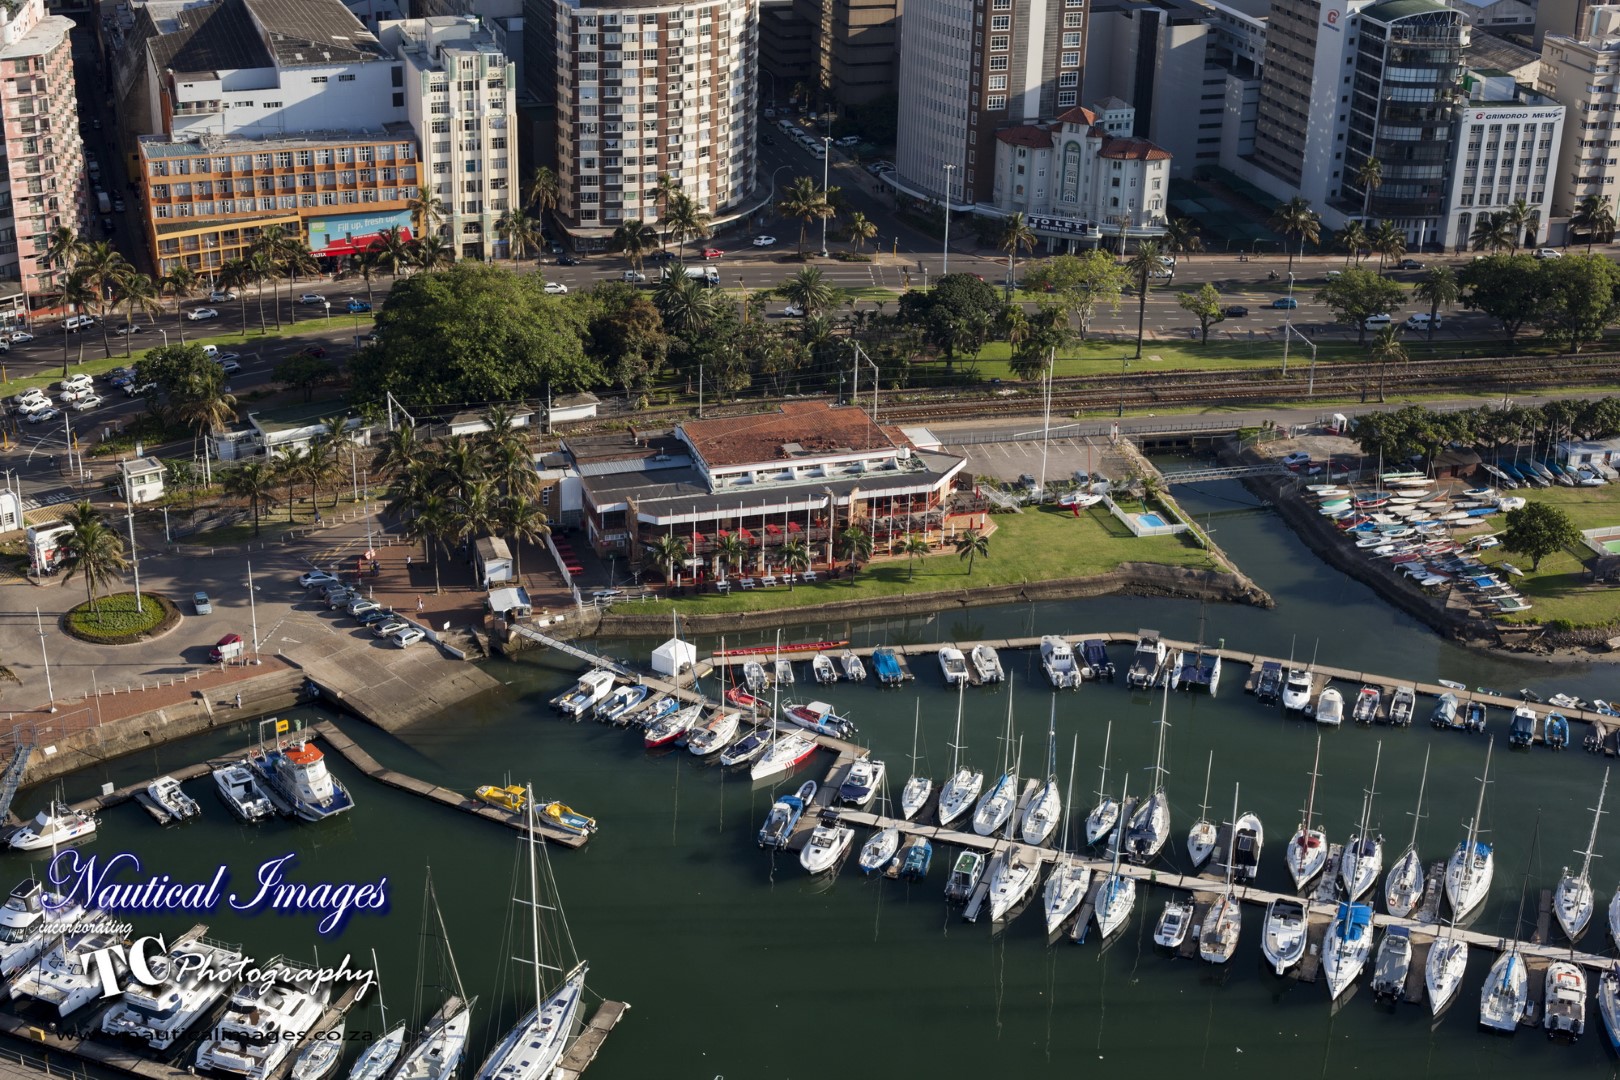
(1066,226)
(348,233)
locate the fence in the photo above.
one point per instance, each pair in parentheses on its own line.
(1138,527)
(1081,431)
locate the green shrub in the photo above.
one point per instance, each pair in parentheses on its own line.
(116,621)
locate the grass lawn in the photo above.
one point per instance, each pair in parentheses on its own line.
(114,618)
(1037,545)
(1558,590)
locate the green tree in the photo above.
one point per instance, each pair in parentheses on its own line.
(971,544)
(1491,233)
(1441,289)
(1521,218)
(254,482)
(685,220)
(634,239)
(1369,178)
(730,550)
(1181,236)
(794,555)
(914,547)
(95,552)
(1356,295)
(685,305)
(1143,267)
(1295,218)
(1352,238)
(860,229)
(543,191)
(523,522)
(139,295)
(426,211)
(1595,218)
(627,338)
(1539,529)
(1386,347)
(807,203)
(1389,243)
(854,547)
(1080,285)
(1015,234)
(78,294)
(1508,288)
(668,552)
(810,290)
(102,266)
(1205,306)
(1578,299)
(956,316)
(304,371)
(432,252)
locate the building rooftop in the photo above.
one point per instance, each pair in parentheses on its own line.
(315,32)
(1026,135)
(797,429)
(216,37)
(1146,150)
(1393,10)
(165,146)
(1078,115)
(1109,104)
(1490,51)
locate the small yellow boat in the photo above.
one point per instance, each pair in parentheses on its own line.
(568,819)
(507,798)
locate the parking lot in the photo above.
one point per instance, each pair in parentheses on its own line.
(1007,461)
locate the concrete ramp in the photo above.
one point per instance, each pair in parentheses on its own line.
(391,687)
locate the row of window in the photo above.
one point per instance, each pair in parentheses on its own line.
(1503,198)
(280,202)
(283,159)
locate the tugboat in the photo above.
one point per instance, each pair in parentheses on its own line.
(294,773)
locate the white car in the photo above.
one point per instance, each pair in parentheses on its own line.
(556,288)
(19,336)
(77,382)
(1377,322)
(1549,253)
(32,398)
(199,314)
(1298,457)
(317,577)
(793,311)
(87,402)
(408,637)
(312,298)
(137,389)
(764,241)
(360,605)
(220,296)
(230,367)
(1421,321)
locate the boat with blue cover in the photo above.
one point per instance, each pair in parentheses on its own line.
(1556,734)
(1348,946)
(1445,712)
(784,816)
(915,859)
(620,702)
(1522,732)
(1095,653)
(887,667)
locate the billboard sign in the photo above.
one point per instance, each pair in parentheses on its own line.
(348,233)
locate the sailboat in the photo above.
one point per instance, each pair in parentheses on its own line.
(1218,936)
(1070,878)
(436,1053)
(1307,852)
(999,803)
(885,842)
(1469,872)
(1572,902)
(963,786)
(1363,857)
(384,1050)
(1506,993)
(1117,894)
(1203,834)
(1348,944)
(1100,822)
(1013,874)
(783,752)
(1404,886)
(1444,970)
(914,796)
(1044,810)
(534,1046)
(1149,826)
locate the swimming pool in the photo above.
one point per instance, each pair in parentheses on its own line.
(1605,540)
(1151,521)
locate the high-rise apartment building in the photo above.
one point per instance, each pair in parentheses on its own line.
(1506,143)
(461,97)
(44,163)
(1582,73)
(642,90)
(787,51)
(970,67)
(856,46)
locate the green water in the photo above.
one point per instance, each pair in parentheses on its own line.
(738,965)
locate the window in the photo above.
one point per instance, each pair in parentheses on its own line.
(999,42)
(1069,78)
(999,82)
(998,63)
(1070,59)
(399,101)
(317,78)
(272,104)
(1001,22)
(345,78)
(1071,40)
(995,101)
(1072,19)
(1067,98)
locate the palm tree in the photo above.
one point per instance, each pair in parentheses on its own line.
(860,229)
(432,252)
(1369,178)
(668,551)
(288,471)
(525,236)
(1491,233)
(794,555)
(297,260)
(1389,242)
(686,220)
(1181,236)
(78,294)
(730,550)
(253,482)
(634,239)
(1439,287)
(1521,218)
(667,187)
(1386,346)
(524,523)
(1015,234)
(403,449)
(96,551)
(806,202)
(854,547)
(273,243)
(971,544)
(63,247)
(543,192)
(236,275)
(1595,219)
(1353,237)
(179,283)
(207,407)
(1296,218)
(427,210)
(914,547)
(102,266)
(503,229)
(432,521)
(137,290)
(684,303)
(1142,267)
(810,290)
(390,252)
(364,263)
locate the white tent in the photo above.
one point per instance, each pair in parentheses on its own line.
(513,600)
(674,658)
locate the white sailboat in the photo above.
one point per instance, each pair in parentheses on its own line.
(379,1057)
(1362,859)
(1042,814)
(1203,834)
(1572,902)
(1149,827)
(1116,896)
(1404,886)
(998,804)
(1347,947)
(964,784)
(1105,815)
(914,796)
(1013,874)
(1505,993)
(1443,971)
(1307,852)
(884,843)
(1067,884)
(1472,865)
(534,1046)
(436,1052)
(1218,936)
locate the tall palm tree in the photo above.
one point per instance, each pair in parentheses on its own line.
(78,294)
(63,247)
(1521,217)
(138,292)
(730,550)
(805,201)
(391,252)
(432,252)
(913,547)
(288,471)
(96,551)
(1593,217)
(854,547)
(404,448)
(667,186)
(1015,234)
(524,523)
(1369,178)
(794,555)
(296,261)
(1491,233)
(1353,237)
(684,303)
(207,407)
(1181,236)
(427,210)
(686,220)
(432,522)
(102,265)
(364,263)
(543,191)
(236,275)
(1389,242)
(634,239)
(525,236)
(254,482)
(1295,218)
(810,290)
(669,552)
(971,544)
(1142,268)
(860,229)
(258,266)
(1386,346)
(273,242)
(1440,288)
(503,229)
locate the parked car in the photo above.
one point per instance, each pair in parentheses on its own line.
(211,351)
(1236,311)
(74,323)
(86,402)
(199,314)
(127,329)
(341,598)
(1296,459)
(357,306)
(220,296)
(316,577)
(374,616)
(20,336)
(848,140)
(39,416)
(389,627)
(556,288)
(360,606)
(634,277)
(137,389)
(764,241)
(408,637)
(1285,303)
(1411,264)
(229,647)
(199,602)
(230,367)
(1420,321)
(1377,322)
(317,351)
(712,253)
(1549,253)
(118,205)
(80,381)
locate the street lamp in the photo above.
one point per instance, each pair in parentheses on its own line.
(946,267)
(826,160)
(1288,328)
(165,334)
(1288,321)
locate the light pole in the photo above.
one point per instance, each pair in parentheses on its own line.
(49,693)
(134,559)
(826,161)
(253,613)
(1288,328)
(945,268)
(1288,321)
(165,334)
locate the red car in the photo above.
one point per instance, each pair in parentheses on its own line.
(229,648)
(712,253)
(317,351)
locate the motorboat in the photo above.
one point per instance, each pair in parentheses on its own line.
(915,859)
(986,664)
(1094,651)
(877,852)
(319,1059)
(676,725)
(782,672)
(166,792)
(293,772)
(1402,705)
(1330,708)
(1444,970)
(861,783)
(1174,922)
(713,737)
(822,668)
(592,687)
(735,696)
(66,977)
(1505,994)
(1522,728)
(1057,660)
(747,748)
(161,1014)
(261,1026)
(818,717)
(887,666)
(1269,687)
(1147,662)
(828,841)
(1556,732)
(1013,873)
(1366,708)
(754,677)
(560,815)
(239,789)
(1445,712)
(1296,692)
(620,703)
(1391,964)
(785,752)
(784,816)
(1242,856)
(54,826)
(964,877)
(31,921)
(1573,899)
(1284,940)
(1347,947)
(1472,865)
(511,798)
(1608,998)
(1563,1008)
(1065,887)
(953,664)
(1476,717)
(854,670)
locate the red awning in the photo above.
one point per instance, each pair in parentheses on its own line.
(745,534)
(793,526)
(349,245)
(723,532)
(773,530)
(697,537)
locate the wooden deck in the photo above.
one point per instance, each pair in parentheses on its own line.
(589,1043)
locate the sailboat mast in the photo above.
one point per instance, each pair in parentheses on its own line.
(776,656)
(1067,813)
(381,1007)
(1367,798)
(1108,737)
(1051,742)
(1479,809)
(1158,760)
(1417,815)
(1310,799)
(916,726)
(534,899)
(1203,807)
(956,743)
(1012,819)
(1231,847)
(1591,841)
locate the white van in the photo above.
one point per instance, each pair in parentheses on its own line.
(1421,321)
(1377,322)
